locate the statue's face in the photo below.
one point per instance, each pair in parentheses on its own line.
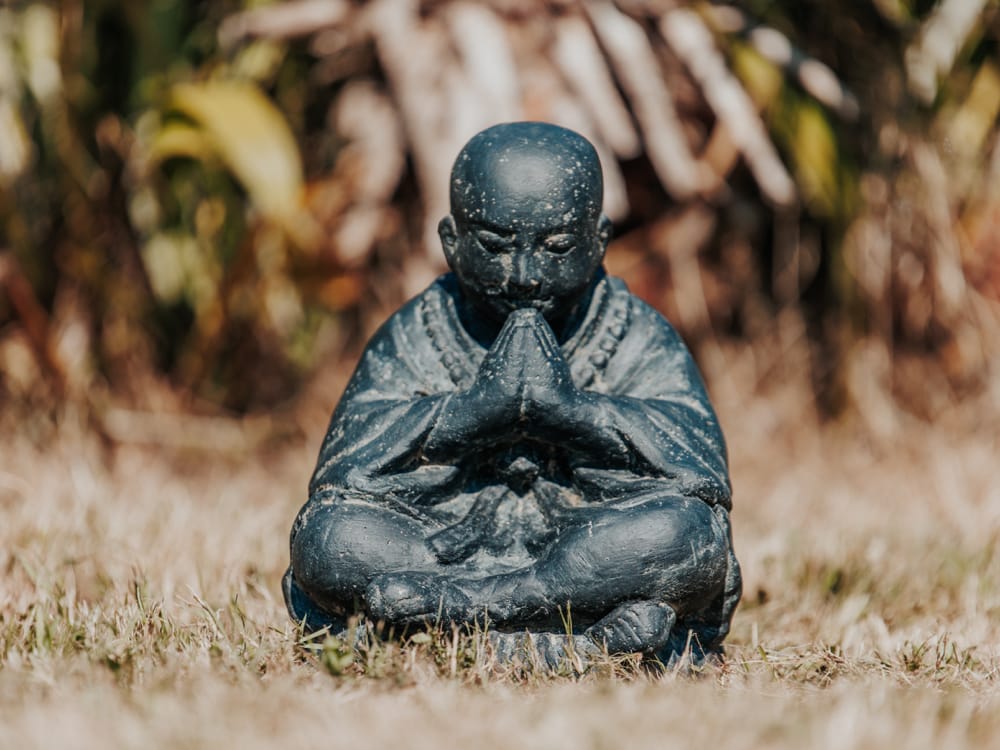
(546,263)
(526,228)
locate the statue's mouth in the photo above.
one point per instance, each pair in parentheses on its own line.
(522,302)
(506,301)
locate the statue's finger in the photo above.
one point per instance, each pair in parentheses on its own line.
(547,341)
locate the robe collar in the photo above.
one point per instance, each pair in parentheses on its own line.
(588,350)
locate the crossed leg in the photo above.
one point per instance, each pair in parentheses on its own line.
(339,545)
(629,572)
(634,570)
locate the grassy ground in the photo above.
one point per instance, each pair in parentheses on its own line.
(139,607)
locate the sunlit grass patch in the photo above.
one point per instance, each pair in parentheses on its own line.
(139,603)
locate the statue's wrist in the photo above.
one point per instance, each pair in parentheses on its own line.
(567,414)
(463,422)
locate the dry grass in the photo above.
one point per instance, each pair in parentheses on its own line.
(139,606)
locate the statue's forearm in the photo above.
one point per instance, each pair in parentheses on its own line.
(587,425)
(462,426)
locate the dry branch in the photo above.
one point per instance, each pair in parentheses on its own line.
(941,38)
(692,42)
(638,71)
(816,78)
(557,104)
(481,40)
(950,287)
(583,65)
(412,53)
(284,21)
(372,164)
(192,432)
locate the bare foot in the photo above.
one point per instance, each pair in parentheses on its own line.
(410,597)
(634,626)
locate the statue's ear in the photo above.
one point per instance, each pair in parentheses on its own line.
(448,233)
(604,231)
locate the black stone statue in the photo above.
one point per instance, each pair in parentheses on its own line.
(525,440)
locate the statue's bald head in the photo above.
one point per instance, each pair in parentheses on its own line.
(521,172)
(526,228)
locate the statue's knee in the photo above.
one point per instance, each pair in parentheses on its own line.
(341,545)
(314,527)
(331,547)
(681,523)
(699,522)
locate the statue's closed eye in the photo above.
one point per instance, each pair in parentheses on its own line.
(560,244)
(491,241)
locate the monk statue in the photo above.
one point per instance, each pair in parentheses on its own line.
(525,445)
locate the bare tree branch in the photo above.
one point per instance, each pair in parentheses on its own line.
(817,79)
(692,42)
(583,65)
(941,38)
(481,40)
(283,21)
(413,55)
(638,71)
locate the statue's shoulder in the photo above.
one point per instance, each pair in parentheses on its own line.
(410,324)
(644,320)
(402,354)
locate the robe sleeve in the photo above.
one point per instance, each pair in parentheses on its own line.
(652,402)
(373,445)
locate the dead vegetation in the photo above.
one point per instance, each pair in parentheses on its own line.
(256,191)
(140,605)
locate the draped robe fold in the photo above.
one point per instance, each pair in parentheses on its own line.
(653,405)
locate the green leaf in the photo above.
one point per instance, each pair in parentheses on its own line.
(181,140)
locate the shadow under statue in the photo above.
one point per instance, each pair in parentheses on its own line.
(524,439)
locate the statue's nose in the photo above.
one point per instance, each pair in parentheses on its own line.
(523,280)
(524,285)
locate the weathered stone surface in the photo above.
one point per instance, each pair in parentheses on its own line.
(523,437)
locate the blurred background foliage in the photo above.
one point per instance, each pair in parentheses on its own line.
(204,206)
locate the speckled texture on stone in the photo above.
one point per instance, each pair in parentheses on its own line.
(524,438)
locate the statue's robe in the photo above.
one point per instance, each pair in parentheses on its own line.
(379,447)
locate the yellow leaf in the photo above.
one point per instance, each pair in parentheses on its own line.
(814,148)
(252,138)
(975,119)
(180,140)
(762,78)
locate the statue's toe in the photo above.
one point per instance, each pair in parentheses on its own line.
(415,597)
(454,544)
(642,626)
